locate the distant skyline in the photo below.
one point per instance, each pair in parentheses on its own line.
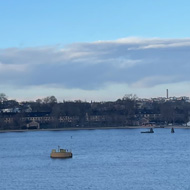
(94,50)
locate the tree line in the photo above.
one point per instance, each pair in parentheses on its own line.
(128,110)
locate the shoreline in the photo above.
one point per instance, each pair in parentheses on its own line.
(93,128)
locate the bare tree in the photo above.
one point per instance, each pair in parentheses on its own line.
(50,99)
(3,97)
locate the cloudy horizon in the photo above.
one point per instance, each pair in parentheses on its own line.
(99,71)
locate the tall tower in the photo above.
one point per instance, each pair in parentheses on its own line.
(167,93)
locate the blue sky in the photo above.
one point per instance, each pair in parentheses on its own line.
(48,22)
(94,50)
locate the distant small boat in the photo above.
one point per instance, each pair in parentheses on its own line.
(172,130)
(151,131)
(61,153)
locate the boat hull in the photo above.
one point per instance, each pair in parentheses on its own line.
(61,155)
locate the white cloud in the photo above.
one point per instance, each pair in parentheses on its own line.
(12,67)
(89,67)
(125,63)
(147,82)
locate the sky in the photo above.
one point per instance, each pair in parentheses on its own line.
(94,50)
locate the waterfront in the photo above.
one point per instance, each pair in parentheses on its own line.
(102,159)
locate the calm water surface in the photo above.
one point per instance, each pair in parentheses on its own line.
(102,159)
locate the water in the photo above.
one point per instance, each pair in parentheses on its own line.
(102,159)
